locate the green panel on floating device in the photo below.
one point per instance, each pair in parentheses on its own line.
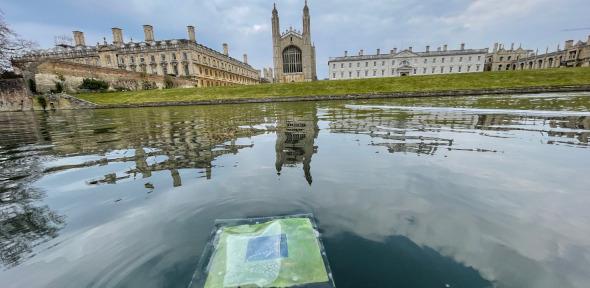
(265,252)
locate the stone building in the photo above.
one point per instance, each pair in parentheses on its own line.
(500,58)
(177,57)
(573,55)
(293,51)
(407,63)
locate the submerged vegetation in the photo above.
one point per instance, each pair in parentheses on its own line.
(469,81)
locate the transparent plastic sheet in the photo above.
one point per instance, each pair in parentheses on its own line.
(264,252)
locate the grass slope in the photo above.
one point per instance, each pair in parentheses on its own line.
(508,79)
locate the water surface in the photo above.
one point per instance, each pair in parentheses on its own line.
(458,192)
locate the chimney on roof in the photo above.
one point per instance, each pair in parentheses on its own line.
(345,53)
(148,31)
(512,47)
(410,48)
(361,52)
(462,46)
(496,47)
(569,44)
(427,48)
(438,49)
(394,50)
(79,38)
(445,47)
(378,51)
(117,36)
(588,42)
(245,58)
(225,49)
(191,33)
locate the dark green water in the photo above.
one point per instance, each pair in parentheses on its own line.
(480,196)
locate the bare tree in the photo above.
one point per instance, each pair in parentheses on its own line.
(11,45)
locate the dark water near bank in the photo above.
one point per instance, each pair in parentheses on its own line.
(405,197)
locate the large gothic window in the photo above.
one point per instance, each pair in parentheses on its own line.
(292,60)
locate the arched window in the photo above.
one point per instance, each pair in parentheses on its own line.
(292,60)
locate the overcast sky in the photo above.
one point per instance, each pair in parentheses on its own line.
(337,25)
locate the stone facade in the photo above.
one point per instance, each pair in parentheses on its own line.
(14,95)
(47,73)
(293,51)
(181,58)
(407,63)
(573,55)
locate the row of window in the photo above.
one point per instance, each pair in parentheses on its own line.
(393,62)
(185,56)
(415,71)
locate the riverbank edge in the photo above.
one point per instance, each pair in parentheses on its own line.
(416,94)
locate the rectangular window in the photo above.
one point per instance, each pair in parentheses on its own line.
(358,64)
(374,63)
(349,65)
(392,71)
(333,75)
(393,62)
(366,64)
(374,73)
(342,65)
(349,74)
(433,70)
(366,73)
(451,69)
(443,60)
(383,63)
(433,60)
(185,56)
(163,57)
(333,66)
(468,68)
(477,68)
(424,70)
(478,58)
(470,58)
(341,74)
(425,61)
(414,71)
(174,57)
(442,69)
(460,59)
(452,58)
(358,74)
(460,68)
(382,72)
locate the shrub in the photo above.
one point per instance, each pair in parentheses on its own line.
(94,85)
(33,86)
(149,85)
(42,101)
(168,82)
(59,87)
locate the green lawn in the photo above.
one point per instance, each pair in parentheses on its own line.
(508,79)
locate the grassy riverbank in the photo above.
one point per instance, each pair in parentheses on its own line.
(471,81)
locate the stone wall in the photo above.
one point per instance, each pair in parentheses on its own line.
(14,95)
(71,75)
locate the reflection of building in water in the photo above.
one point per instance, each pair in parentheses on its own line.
(403,132)
(295,142)
(420,133)
(154,142)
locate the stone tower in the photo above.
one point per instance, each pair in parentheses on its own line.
(293,51)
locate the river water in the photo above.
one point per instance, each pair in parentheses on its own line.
(494,192)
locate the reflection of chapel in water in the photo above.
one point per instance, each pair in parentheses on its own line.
(296,136)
